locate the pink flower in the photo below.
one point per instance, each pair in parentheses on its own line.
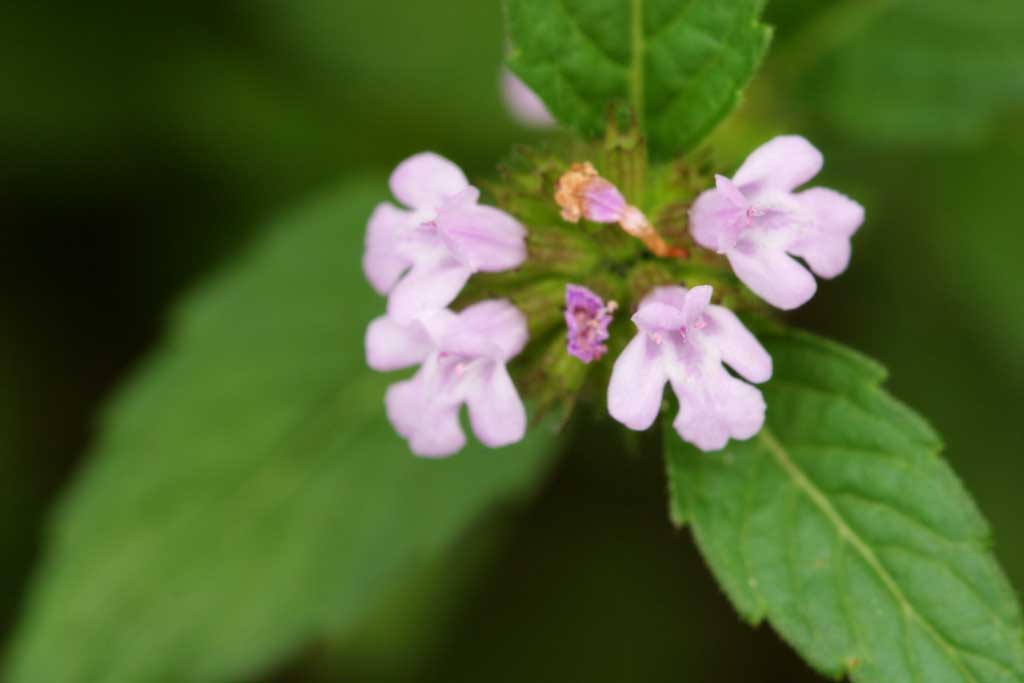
(760,223)
(462,359)
(422,258)
(587,318)
(523,103)
(684,340)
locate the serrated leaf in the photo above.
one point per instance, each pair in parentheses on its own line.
(679,66)
(842,527)
(247,492)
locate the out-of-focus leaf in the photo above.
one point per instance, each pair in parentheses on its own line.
(841,525)
(679,66)
(920,71)
(247,492)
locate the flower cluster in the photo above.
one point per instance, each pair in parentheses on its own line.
(756,225)
(421,259)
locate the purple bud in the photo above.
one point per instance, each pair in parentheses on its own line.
(587,318)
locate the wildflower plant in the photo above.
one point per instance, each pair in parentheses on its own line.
(617,268)
(815,497)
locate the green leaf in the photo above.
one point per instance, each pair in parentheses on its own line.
(247,492)
(843,528)
(679,66)
(921,71)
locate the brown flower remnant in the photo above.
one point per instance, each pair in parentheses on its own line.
(570,190)
(582,193)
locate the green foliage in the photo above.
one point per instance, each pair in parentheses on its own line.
(842,526)
(247,493)
(917,71)
(679,66)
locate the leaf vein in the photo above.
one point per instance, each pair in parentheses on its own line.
(895,509)
(802,482)
(578,28)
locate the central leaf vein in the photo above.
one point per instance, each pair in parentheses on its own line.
(636,71)
(846,532)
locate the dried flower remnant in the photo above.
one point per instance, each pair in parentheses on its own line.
(582,193)
(587,318)
(683,339)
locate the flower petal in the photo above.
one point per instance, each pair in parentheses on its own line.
(637,383)
(383,264)
(836,217)
(672,295)
(715,221)
(730,192)
(717,407)
(482,237)
(738,347)
(390,346)
(442,437)
(524,104)
(430,285)
(654,316)
(499,322)
(425,180)
(782,163)
(431,428)
(697,300)
(772,274)
(495,409)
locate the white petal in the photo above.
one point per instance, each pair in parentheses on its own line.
(431,426)
(498,322)
(674,296)
(430,285)
(383,264)
(483,237)
(524,104)
(716,407)
(425,180)
(772,274)
(836,218)
(714,220)
(737,346)
(495,409)
(654,316)
(697,300)
(637,384)
(391,346)
(782,163)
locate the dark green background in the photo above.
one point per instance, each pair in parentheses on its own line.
(141,144)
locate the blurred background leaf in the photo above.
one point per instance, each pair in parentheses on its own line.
(144,143)
(907,72)
(247,492)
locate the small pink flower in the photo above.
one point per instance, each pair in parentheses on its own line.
(524,104)
(462,359)
(684,340)
(422,258)
(587,318)
(760,223)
